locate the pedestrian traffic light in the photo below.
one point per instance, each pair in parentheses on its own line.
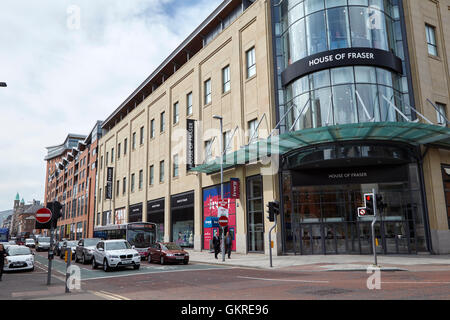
(370,206)
(273,209)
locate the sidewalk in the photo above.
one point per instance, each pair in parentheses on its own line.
(326,262)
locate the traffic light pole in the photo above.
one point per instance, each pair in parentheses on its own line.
(49,272)
(270,240)
(373,227)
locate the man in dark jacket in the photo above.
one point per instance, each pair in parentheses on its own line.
(228,243)
(216,244)
(2,260)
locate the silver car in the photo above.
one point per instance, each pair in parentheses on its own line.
(43,244)
(115,253)
(85,250)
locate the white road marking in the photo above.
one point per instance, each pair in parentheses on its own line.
(286,280)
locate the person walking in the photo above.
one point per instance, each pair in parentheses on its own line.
(2,260)
(216,244)
(228,243)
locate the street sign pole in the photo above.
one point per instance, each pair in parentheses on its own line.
(270,240)
(373,228)
(49,273)
(68,255)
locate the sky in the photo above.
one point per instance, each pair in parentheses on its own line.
(70,63)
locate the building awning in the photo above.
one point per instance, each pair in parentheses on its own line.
(405,132)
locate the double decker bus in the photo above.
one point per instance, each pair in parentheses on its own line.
(4,235)
(141,235)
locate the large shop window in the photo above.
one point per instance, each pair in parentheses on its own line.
(155,214)
(446,178)
(255,214)
(182,208)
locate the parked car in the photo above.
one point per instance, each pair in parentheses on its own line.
(85,249)
(18,258)
(114,254)
(43,244)
(30,243)
(65,247)
(164,252)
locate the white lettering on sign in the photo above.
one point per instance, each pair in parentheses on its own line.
(347,175)
(342,56)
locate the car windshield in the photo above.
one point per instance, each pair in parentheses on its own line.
(44,239)
(18,251)
(29,240)
(119,245)
(91,242)
(72,243)
(171,246)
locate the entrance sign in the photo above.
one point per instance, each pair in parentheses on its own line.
(43,215)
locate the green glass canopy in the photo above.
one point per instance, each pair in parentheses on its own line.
(406,132)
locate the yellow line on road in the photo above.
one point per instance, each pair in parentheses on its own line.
(114,295)
(104,296)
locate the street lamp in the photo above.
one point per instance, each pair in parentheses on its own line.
(221,179)
(3,84)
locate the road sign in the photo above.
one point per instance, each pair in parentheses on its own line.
(223,221)
(362,212)
(43,215)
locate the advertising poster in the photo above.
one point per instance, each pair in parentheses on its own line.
(210,209)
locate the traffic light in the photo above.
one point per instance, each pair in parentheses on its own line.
(370,206)
(55,207)
(274,209)
(380,204)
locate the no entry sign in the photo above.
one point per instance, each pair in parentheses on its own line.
(223,221)
(362,212)
(43,215)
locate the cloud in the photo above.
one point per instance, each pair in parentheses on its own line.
(62,80)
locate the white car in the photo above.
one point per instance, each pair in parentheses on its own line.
(30,243)
(43,244)
(115,253)
(18,258)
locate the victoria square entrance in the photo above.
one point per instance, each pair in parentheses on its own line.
(320,205)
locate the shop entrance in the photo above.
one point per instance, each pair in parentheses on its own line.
(182,210)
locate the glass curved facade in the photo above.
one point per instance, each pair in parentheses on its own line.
(345,95)
(312,26)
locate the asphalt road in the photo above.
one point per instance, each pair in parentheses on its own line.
(214,282)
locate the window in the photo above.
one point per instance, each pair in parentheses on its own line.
(226,79)
(107,156)
(132,182)
(118,151)
(100,195)
(226,140)
(161,171)
(255,214)
(133,145)
(208,150)
(112,155)
(125,146)
(189,103)
(162,126)
(141,137)
(124,185)
(152,128)
(141,179)
(175,165)
(207,88)
(117,187)
(441,114)
(176,113)
(252,130)
(152,175)
(431,40)
(251,63)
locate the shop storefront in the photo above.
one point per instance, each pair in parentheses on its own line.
(446,179)
(182,213)
(155,214)
(320,205)
(135,213)
(211,227)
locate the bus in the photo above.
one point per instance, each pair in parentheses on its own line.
(4,235)
(141,235)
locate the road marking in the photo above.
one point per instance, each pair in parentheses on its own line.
(115,295)
(104,296)
(286,280)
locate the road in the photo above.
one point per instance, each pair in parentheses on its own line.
(215,282)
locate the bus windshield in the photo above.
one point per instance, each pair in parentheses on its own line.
(140,237)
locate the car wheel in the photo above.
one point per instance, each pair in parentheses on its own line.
(105,265)
(136,267)
(83,259)
(32,269)
(162,260)
(94,264)
(76,258)
(185,262)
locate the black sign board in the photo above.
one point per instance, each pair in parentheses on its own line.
(135,213)
(109,182)
(182,200)
(155,206)
(342,58)
(190,144)
(351,175)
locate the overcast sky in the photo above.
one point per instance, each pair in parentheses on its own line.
(65,73)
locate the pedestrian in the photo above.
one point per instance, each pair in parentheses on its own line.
(228,243)
(2,260)
(216,244)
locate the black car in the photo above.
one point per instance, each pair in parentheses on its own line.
(72,244)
